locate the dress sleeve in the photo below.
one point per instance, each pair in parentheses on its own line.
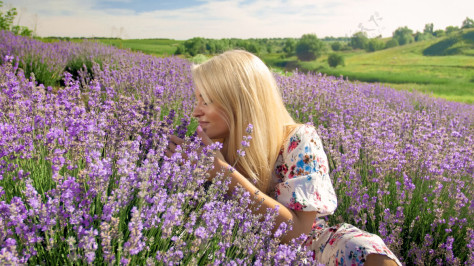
(302,170)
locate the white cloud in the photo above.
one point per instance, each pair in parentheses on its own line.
(240,19)
(53,7)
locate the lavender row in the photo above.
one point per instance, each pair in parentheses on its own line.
(402,163)
(70,156)
(84,179)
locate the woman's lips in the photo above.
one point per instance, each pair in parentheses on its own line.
(203,123)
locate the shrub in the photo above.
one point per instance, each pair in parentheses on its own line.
(336,46)
(309,47)
(199,58)
(391,43)
(359,40)
(403,35)
(423,36)
(335,60)
(375,44)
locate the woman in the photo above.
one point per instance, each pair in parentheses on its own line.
(285,164)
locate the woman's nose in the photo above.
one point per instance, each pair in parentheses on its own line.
(197,111)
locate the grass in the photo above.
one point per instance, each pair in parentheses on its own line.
(463,93)
(444,75)
(404,67)
(157,47)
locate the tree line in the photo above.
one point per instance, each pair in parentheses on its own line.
(199,45)
(404,35)
(309,47)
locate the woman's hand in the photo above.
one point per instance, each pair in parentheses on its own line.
(207,141)
(174,141)
(219,160)
(302,221)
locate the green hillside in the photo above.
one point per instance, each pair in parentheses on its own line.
(447,72)
(461,43)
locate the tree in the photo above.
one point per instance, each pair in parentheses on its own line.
(439,33)
(269,47)
(335,60)
(375,44)
(336,46)
(211,46)
(391,43)
(467,23)
(309,47)
(253,47)
(451,29)
(221,45)
(196,45)
(6,22)
(180,50)
(403,35)
(21,30)
(428,28)
(422,36)
(359,40)
(290,46)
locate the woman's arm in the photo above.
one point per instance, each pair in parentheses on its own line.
(302,220)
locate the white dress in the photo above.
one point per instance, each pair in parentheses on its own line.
(303,184)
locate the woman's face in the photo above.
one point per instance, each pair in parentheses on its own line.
(211,119)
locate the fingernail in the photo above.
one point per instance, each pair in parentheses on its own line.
(199,129)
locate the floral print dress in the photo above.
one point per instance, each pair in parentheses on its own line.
(303,184)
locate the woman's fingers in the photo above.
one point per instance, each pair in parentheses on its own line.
(205,139)
(168,153)
(172,144)
(176,140)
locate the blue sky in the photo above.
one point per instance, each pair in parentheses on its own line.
(184,19)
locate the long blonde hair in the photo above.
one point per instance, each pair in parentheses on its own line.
(243,87)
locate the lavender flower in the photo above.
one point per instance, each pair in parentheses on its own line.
(82,165)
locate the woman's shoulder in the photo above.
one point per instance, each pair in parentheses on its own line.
(300,130)
(299,135)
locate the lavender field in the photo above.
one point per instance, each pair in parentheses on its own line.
(84,179)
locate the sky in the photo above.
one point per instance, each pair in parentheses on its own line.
(216,19)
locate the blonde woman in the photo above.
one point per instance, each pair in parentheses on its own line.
(285,164)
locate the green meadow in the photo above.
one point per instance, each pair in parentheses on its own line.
(157,47)
(405,67)
(443,67)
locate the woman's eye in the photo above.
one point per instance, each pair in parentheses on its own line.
(199,102)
